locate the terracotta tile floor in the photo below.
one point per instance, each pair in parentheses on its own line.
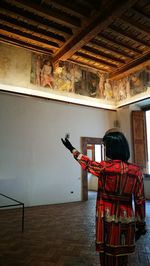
(57,235)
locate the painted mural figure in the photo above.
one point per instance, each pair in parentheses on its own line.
(136,84)
(101,85)
(122,89)
(108,90)
(92,85)
(46,74)
(118,224)
(62,79)
(115,90)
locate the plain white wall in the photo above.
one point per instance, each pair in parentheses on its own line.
(35,167)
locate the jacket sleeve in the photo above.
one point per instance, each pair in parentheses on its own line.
(139,198)
(86,163)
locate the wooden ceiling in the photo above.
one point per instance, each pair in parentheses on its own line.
(110,36)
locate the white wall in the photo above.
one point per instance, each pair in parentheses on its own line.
(35,167)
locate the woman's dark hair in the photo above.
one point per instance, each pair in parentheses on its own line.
(117,147)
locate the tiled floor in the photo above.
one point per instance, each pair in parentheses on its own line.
(57,235)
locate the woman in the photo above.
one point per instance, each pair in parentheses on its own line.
(118,222)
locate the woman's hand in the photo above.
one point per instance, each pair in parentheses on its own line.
(67,144)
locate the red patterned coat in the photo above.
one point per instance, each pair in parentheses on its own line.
(120,206)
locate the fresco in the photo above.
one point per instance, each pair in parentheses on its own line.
(41,71)
(131,85)
(68,77)
(72,78)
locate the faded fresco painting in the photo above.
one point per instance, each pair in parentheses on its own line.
(131,85)
(41,71)
(68,77)
(72,78)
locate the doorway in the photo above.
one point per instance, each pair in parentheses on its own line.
(93,148)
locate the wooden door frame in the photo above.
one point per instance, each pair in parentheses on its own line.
(84,142)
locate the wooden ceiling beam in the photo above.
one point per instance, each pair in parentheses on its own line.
(140,14)
(30,47)
(128,69)
(94,59)
(32,32)
(34,22)
(124,34)
(101,55)
(121,45)
(88,65)
(105,17)
(105,47)
(18,37)
(44,12)
(135,25)
(70,6)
